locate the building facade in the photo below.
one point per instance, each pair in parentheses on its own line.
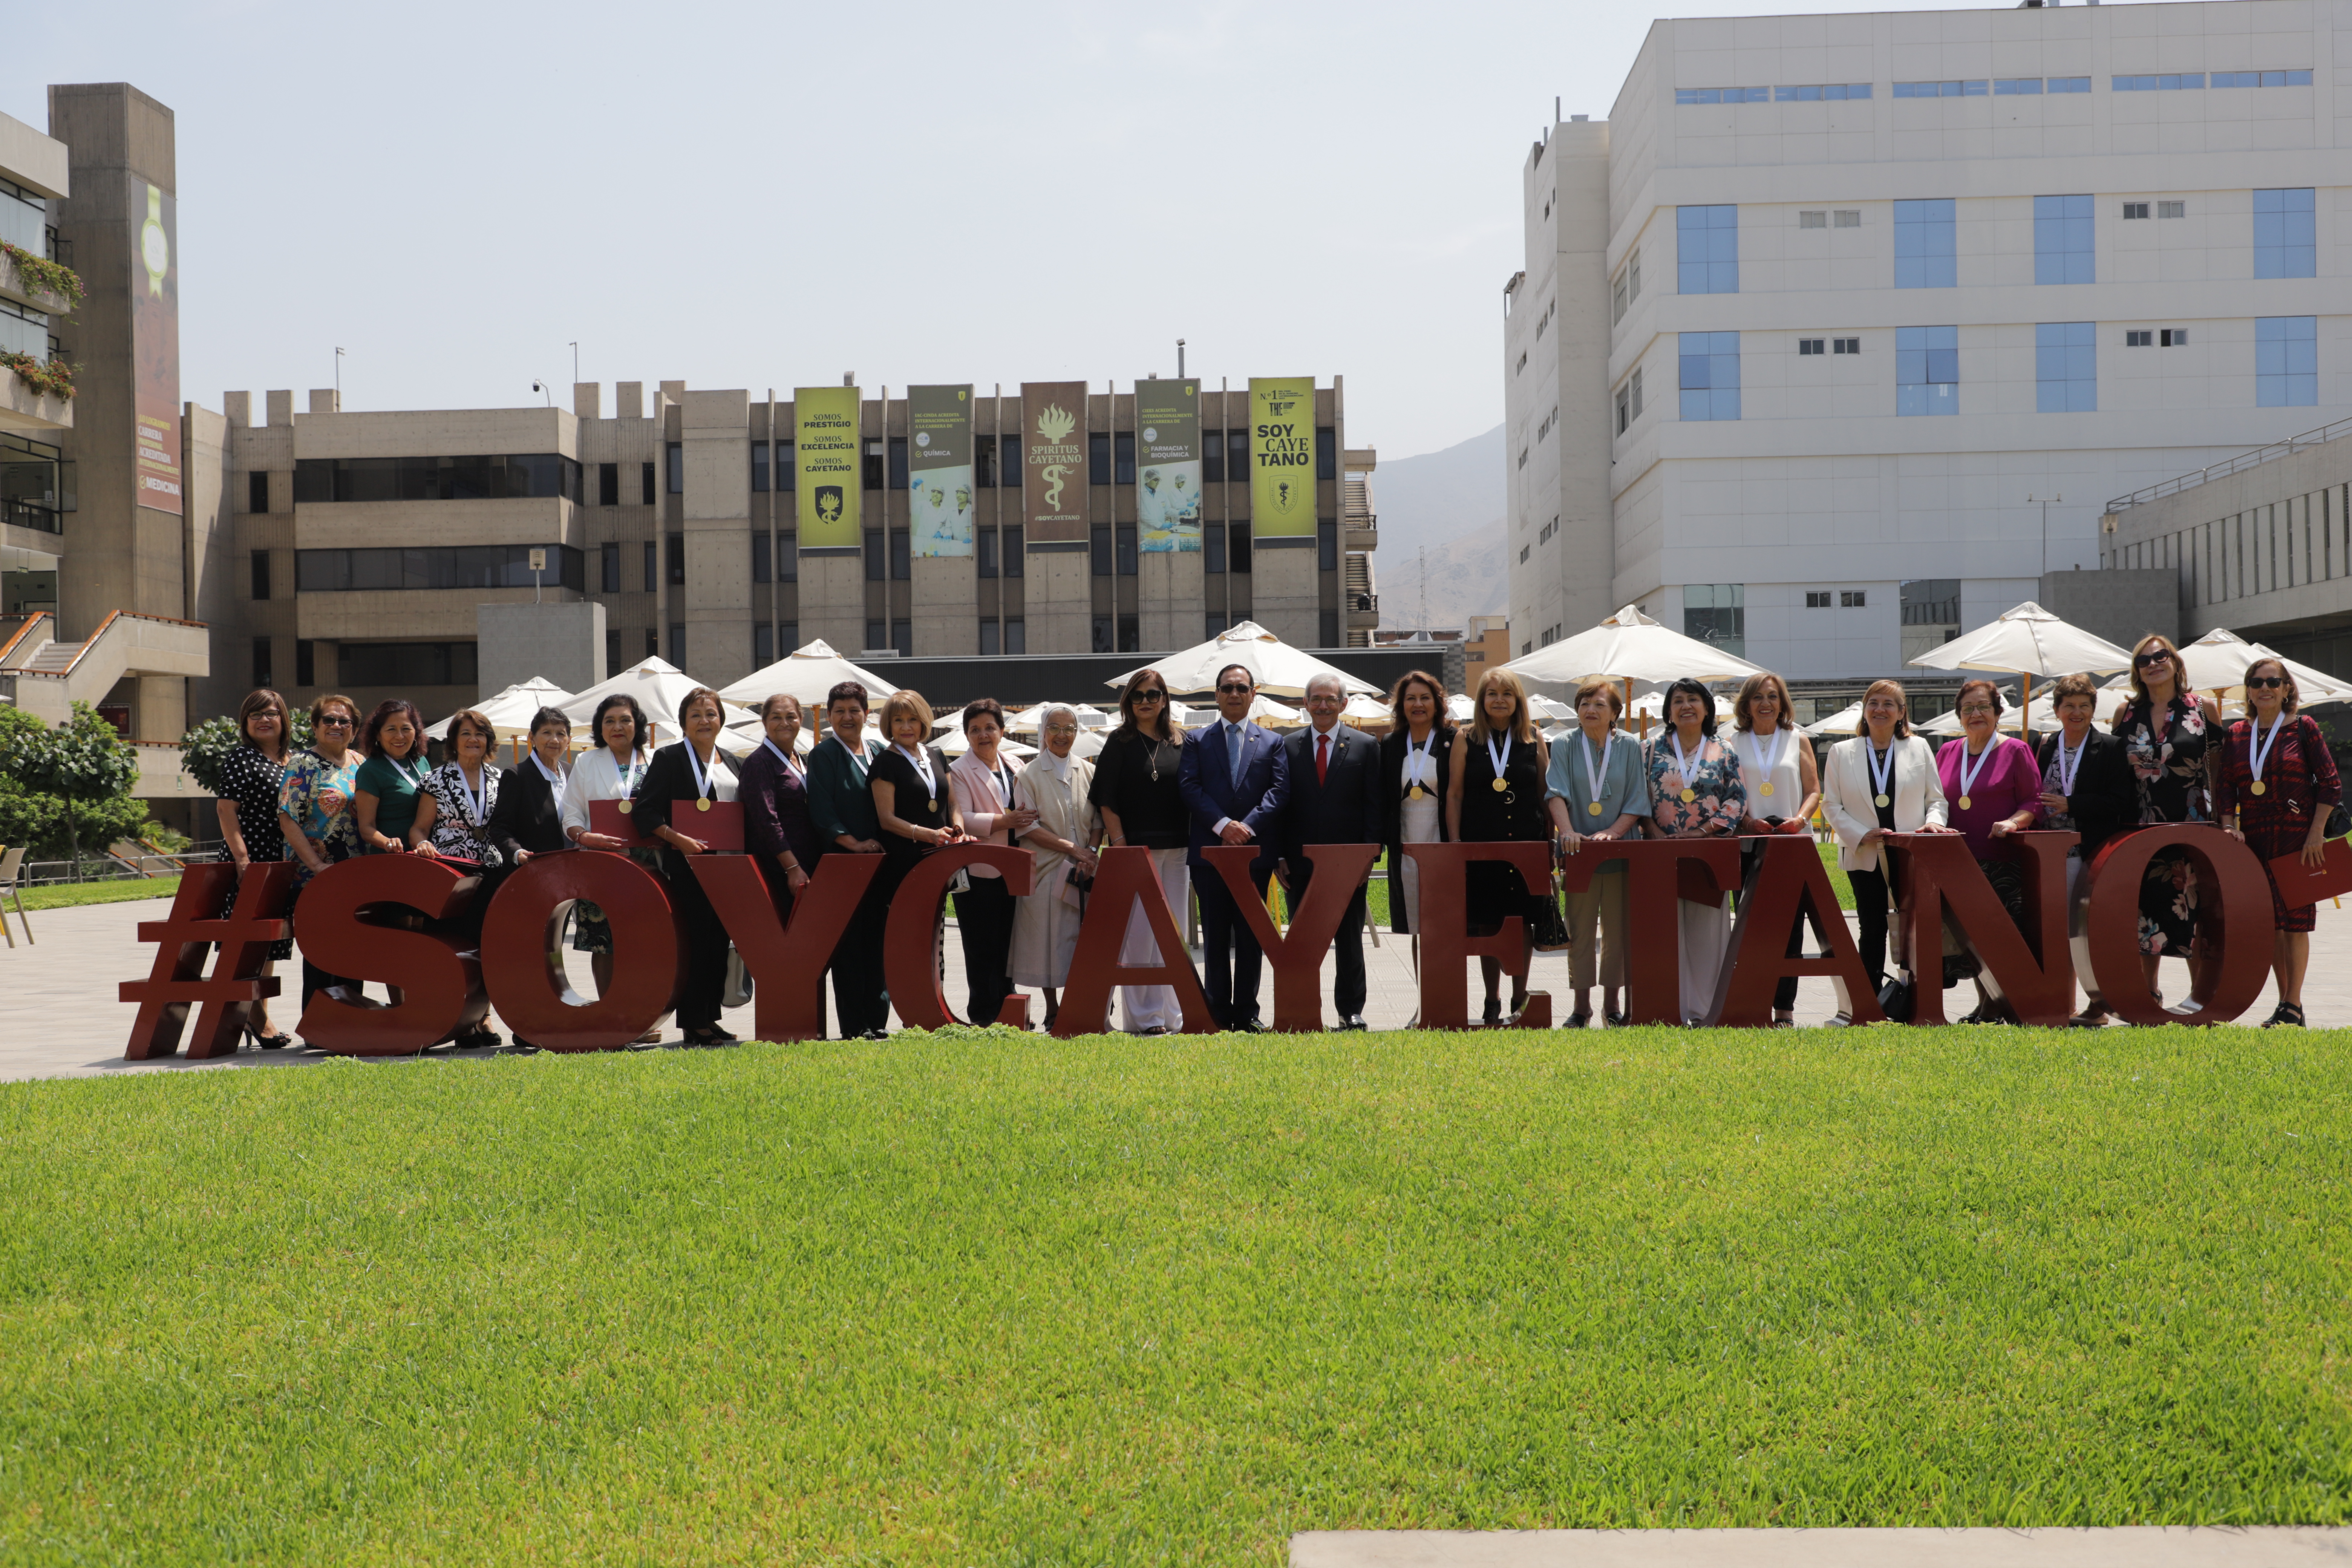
(1836,336)
(361,544)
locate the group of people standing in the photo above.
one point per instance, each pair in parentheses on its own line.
(366,787)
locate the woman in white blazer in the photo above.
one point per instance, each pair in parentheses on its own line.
(1883,781)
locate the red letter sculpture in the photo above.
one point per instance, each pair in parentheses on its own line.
(349,922)
(2232,900)
(1443,920)
(2038,983)
(1789,880)
(1296,958)
(1659,873)
(908,942)
(243,938)
(533,995)
(1126,883)
(787,960)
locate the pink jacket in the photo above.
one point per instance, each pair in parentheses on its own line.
(977,798)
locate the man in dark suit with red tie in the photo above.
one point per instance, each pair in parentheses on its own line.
(1334,799)
(1233,783)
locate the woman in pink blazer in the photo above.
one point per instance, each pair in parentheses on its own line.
(982,783)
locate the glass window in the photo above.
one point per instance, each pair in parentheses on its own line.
(1927,369)
(649,567)
(653,638)
(787,469)
(611,563)
(406,664)
(1237,548)
(645,484)
(1213,457)
(1097,457)
(902,638)
(2069,84)
(984,463)
(1099,542)
(1326,452)
(877,634)
(2286,362)
(1123,462)
(877,567)
(758,467)
(788,557)
(1016,558)
(1710,376)
(1008,459)
(2286,243)
(985,541)
(306,665)
(2168,83)
(901,554)
(873,465)
(676,469)
(1102,635)
(2063,243)
(761,569)
(1830,92)
(1016,635)
(1853,598)
(989,647)
(2027,86)
(1237,456)
(1716,612)
(2138,340)
(1925,245)
(677,560)
(608,484)
(2066,367)
(898,462)
(1706,254)
(1326,545)
(1939,88)
(1212,548)
(460,566)
(1817,599)
(1131,633)
(763,646)
(1723,95)
(1124,534)
(2261,78)
(2135,210)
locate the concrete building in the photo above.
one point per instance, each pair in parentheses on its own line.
(363,542)
(107,562)
(1815,323)
(2260,542)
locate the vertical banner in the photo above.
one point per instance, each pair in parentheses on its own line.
(1054,460)
(1168,484)
(825,436)
(155,345)
(939,470)
(1282,457)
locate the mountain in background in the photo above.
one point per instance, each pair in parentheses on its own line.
(1452,502)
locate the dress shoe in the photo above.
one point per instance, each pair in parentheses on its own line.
(1252,1026)
(1353,1021)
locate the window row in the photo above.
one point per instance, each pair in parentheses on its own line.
(2279,544)
(1833,92)
(2284,237)
(1928,368)
(524,476)
(2194,80)
(1994,87)
(438,566)
(1843,598)
(997,461)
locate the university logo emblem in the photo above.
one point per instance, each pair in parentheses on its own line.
(828,503)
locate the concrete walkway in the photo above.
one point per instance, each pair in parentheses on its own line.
(59,1017)
(2267,1547)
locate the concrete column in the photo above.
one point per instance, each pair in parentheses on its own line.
(1285,593)
(832,601)
(714,428)
(281,409)
(588,399)
(946,600)
(1059,599)
(1170,590)
(1581,567)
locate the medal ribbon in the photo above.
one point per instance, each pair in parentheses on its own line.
(791,765)
(1764,764)
(1502,761)
(474,796)
(1881,773)
(1418,766)
(1681,763)
(701,777)
(2258,749)
(1593,774)
(1969,774)
(922,761)
(2066,768)
(554,780)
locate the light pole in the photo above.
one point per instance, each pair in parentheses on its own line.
(2045,501)
(339,381)
(541,388)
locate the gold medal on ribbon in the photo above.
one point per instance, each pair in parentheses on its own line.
(702,805)
(1593,809)
(932,803)
(1689,795)
(1499,786)
(626,806)
(1965,803)
(2260,788)
(1882,800)
(1414,793)
(1768,786)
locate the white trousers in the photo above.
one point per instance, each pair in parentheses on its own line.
(1155,1006)
(1703,932)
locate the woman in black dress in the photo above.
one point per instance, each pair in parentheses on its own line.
(2166,732)
(911,798)
(250,777)
(1137,793)
(670,801)
(1496,794)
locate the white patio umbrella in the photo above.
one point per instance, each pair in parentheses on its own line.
(1458,708)
(955,744)
(2027,640)
(1031,719)
(808,672)
(509,712)
(1629,646)
(1363,708)
(658,686)
(1550,710)
(1839,723)
(1276,667)
(2216,664)
(2042,714)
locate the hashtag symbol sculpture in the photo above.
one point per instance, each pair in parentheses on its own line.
(236,983)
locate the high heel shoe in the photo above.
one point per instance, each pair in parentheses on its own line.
(277,1042)
(1493,1015)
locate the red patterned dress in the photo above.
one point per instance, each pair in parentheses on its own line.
(2300,783)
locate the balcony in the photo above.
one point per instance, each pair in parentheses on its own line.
(1360,535)
(14,282)
(34,413)
(1363,611)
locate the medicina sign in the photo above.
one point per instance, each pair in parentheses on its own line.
(388,919)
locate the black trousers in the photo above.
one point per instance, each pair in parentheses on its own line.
(1870,911)
(1348,988)
(985,914)
(1231,959)
(859,1003)
(706,947)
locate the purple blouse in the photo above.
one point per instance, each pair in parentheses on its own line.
(775,810)
(2006,782)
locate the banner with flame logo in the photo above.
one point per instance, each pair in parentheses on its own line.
(825,421)
(1282,457)
(1053,461)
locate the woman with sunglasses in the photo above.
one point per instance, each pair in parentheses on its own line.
(2277,788)
(1135,791)
(2168,732)
(314,812)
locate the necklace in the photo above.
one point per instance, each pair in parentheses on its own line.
(2258,749)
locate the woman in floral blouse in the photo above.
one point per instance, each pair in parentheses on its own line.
(314,811)
(1696,792)
(2165,730)
(453,816)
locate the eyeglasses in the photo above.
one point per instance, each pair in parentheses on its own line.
(2154,656)
(1977,710)
(1061,728)
(1150,697)
(1231,690)
(2266,682)
(332,723)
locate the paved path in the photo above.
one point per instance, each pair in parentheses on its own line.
(2148,1547)
(59,1015)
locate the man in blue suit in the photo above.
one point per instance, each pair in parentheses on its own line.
(1235,782)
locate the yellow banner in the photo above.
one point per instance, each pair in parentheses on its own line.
(1282,457)
(824,420)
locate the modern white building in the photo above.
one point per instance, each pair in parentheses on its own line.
(1815,323)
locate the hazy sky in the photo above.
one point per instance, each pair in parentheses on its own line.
(770,196)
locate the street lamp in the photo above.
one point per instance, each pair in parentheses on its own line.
(2045,501)
(541,387)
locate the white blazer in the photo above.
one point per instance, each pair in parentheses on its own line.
(1848,795)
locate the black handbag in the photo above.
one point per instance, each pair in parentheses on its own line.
(1896,1000)
(1549,931)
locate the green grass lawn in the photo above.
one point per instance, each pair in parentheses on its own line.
(70,895)
(999,1298)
